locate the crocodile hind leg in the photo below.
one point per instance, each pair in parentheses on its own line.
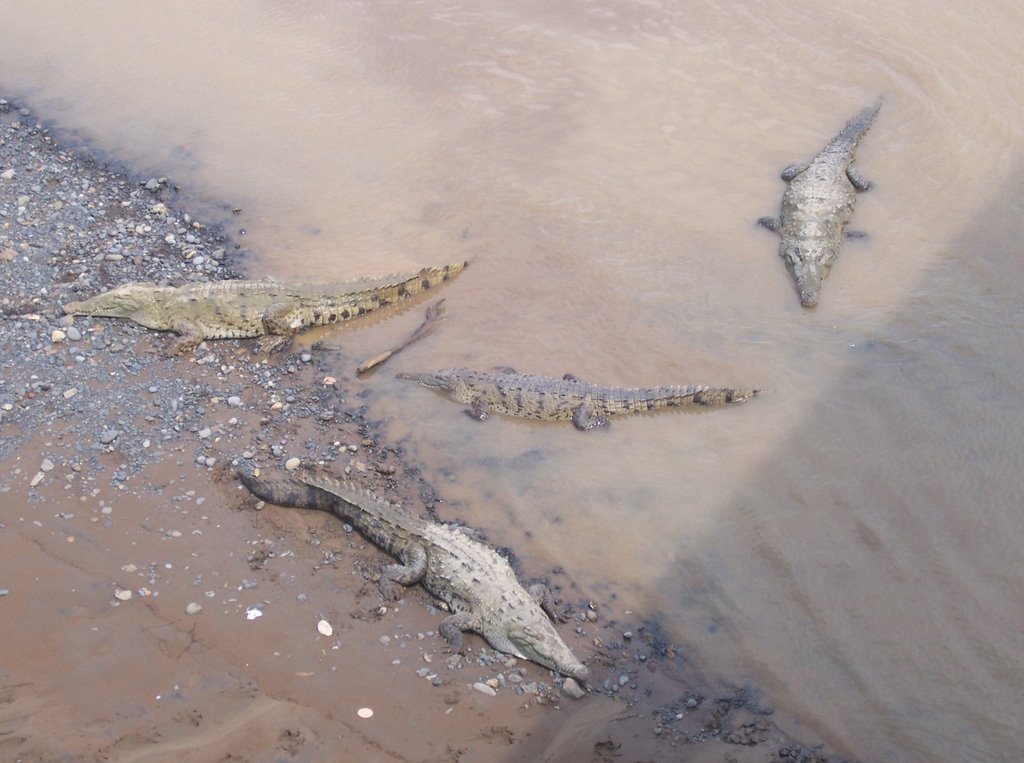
(859,182)
(452,627)
(793,170)
(191,336)
(409,572)
(584,419)
(280,322)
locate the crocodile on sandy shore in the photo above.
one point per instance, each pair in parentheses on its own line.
(267,309)
(816,206)
(478,586)
(587,405)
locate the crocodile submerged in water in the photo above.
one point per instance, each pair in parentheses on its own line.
(568,398)
(477,584)
(267,309)
(816,206)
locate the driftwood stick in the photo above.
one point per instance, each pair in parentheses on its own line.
(433,317)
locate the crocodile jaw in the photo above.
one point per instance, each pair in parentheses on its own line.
(435,381)
(539,642)
(808,268)
(122,302)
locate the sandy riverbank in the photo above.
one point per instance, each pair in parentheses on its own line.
(132,557)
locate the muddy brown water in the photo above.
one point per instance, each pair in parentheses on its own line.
(851,541)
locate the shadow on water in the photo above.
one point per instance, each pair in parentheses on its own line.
(892,575)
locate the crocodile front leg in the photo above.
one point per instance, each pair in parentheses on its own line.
(190,336)
(410,572)
(543,596)
(584,419)
(771,223)
(453,626)
(477,411)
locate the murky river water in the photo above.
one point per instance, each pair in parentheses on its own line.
(852,540)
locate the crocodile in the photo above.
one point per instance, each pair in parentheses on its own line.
(478,586)
(267,309)
(549,399)
(816,206)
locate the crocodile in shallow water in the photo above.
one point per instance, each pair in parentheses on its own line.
(816,206)
(568,398)
(267,309)
(478,586)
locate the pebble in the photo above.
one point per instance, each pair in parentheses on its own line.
(485,689)
(364,712)
(4,592)
(70,393)
(73,334)
(8,174)
(292,464)
(122,594)
(192,608)
(37,479)
(109,435)
(235,401)
(573,689)
(47,465)
(204,433)
(57,336)
(325,628)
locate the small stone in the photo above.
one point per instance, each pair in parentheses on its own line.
(252,613)
(152,184)
(47,465)
(37,479)
(325,628)
(73,334)
(192,608)
(7,254)
(57,336)
(364,712)
(485,689)
(573,689)
(4,592)
(235,401)
(292,464)
(109,435)
(627,635)
(204,433)
(8,174)
(122,594)
(305,357)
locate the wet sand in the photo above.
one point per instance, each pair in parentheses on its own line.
(119,514)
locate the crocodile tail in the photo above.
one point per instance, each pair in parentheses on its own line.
(859,125)
(702,397)
(287,492)
(425,279)
(374,293)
